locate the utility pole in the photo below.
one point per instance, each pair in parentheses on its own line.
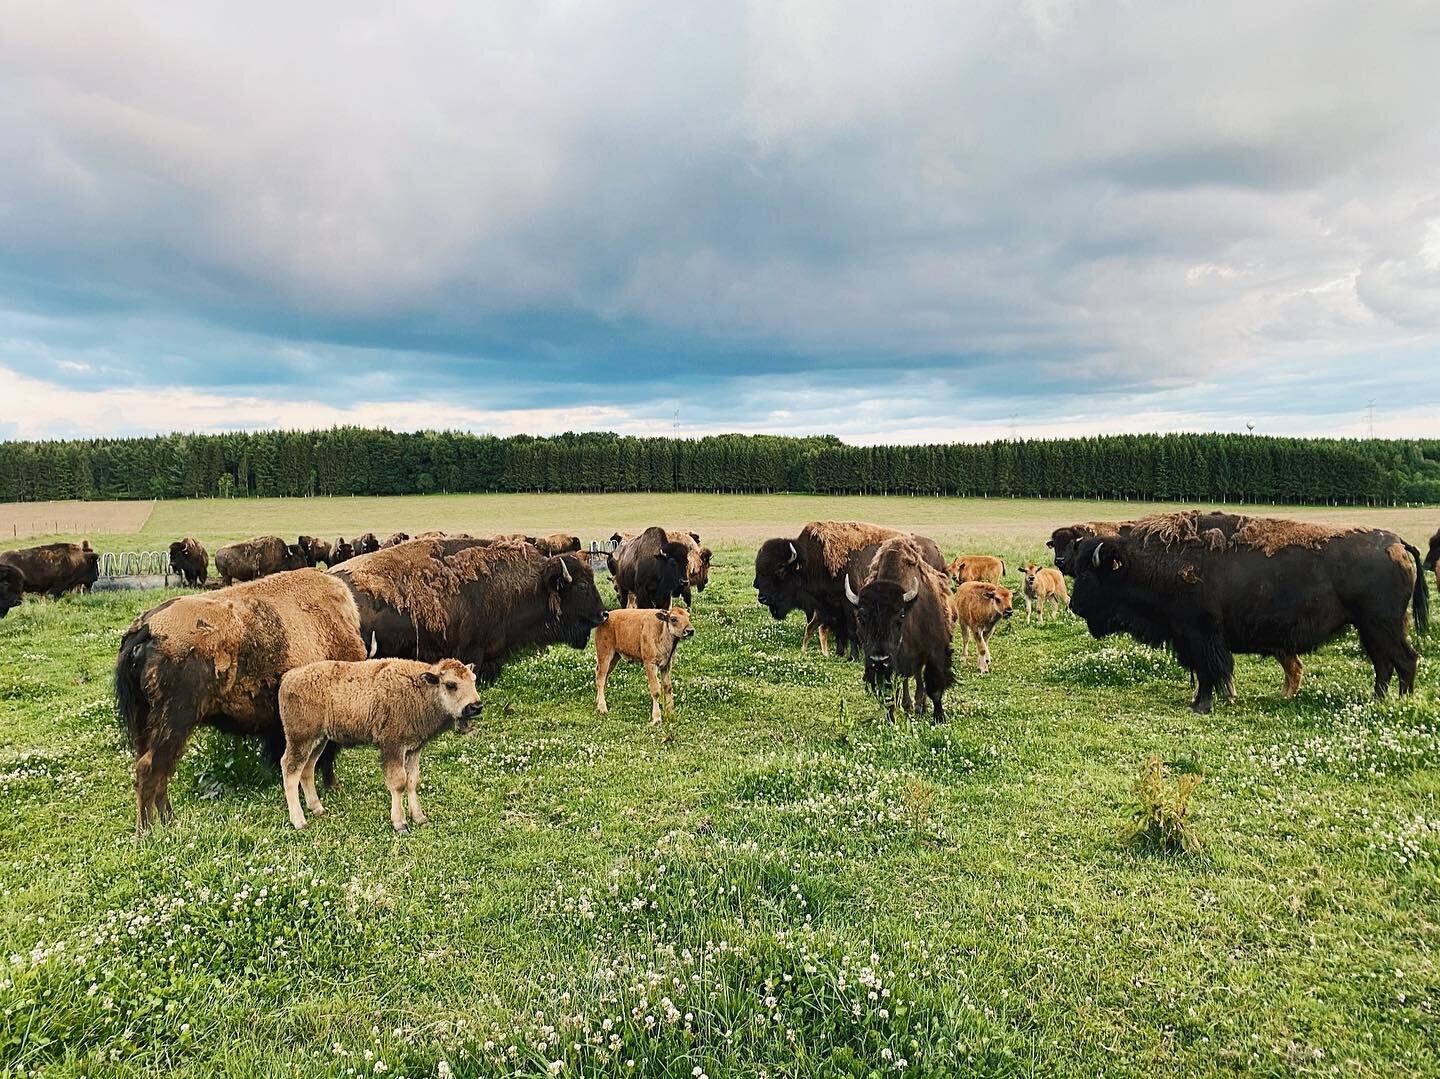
(1370,408)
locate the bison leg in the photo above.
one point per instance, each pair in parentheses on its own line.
(604,664)
(412,787)
(669,688)
(652,676)
(392,761)
(153,770)
(327,764)
(823,634)
(292,774)
(307,777)
(982,653)
(1294,671)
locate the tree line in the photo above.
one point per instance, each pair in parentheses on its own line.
(365,461)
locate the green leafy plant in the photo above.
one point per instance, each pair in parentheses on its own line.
(1159,821)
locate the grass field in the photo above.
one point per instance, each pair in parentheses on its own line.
(776,882)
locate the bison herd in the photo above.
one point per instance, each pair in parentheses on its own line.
(387,644)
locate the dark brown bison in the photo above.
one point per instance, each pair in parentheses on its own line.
(56,568)
(1209,585)
(367,543)
(341,551)
(808,573)
(251,559)
(12,588)
(217,658)
(472,599)
(189,558)
(1432,558)
(395,539)
(649,569)
(1065,541)
(902,617)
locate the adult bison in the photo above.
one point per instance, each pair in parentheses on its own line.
(341,551)
(558,543)
(697,558)
(189,558)
(216,658)
(808,573)
(1214,584)
(474,600)
(12,588)
(260,556)
(55,568)
(1065,541)
(367,543)
(650,569)
(1432,558)
(903,619)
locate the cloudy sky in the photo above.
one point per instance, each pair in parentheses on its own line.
(886,222)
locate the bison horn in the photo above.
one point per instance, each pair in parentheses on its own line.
(850,593)
(565,572)
(794,556)
(1095,558)
(909,597)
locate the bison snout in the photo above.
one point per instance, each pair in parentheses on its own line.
(471,710)
(1008,613)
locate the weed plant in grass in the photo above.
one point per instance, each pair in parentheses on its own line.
(776,881)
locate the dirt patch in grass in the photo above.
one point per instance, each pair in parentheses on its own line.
(21,520)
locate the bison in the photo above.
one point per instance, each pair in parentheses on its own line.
(342,550)
(367,543)
(1064,541)
(395,539)
(644,636)
(55,568)
(260,556)
(1043,586)
(810,572)
(649,569)
(976,567)
(217,658)
(1213,584)
(903,619)
(558,543)
(1432,558)
(977,608)
(473,599)
(190,560)
(12,588)
(398,705)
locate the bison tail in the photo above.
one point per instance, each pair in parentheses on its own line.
(131,704)
(1421,599)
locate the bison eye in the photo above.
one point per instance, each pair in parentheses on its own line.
(452,685)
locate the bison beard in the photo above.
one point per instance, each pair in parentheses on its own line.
(472,599)
(1208,604)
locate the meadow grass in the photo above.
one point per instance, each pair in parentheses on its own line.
(775,882)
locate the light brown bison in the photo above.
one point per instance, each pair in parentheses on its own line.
(398,705)
(976,567)
(260,556)
(644,636)
(217,658)
(55,568)
(189,558)
(978,607)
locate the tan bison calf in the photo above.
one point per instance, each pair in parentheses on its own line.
(978,607)
(399,705)
(642,635)
(976,567)
(1041,587)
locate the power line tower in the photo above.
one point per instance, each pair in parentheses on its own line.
(1370,411)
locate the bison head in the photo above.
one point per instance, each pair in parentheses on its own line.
(575,604)
(700,567)
(342,551)
(12,588)
(1433,557)
(1107,597)
(778,575)
(397,538)
(1064,541)
(451,684)
(880,612)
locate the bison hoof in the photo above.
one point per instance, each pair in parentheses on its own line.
(420,821)
(299,824)
(402,831)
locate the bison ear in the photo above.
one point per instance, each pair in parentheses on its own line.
(695,536)
(663,616)
(430,678)
(1050,543)
(1115,563)
(706,554)
(470,667)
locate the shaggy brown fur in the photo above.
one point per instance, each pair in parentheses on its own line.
(189,558)
(646,636)
(558,543)
(55,568)
(978,607)
(976,567)
(840,539)
(1216,531)
(217,658)
(251,559)
(399,705)
(418,577)
(697,562)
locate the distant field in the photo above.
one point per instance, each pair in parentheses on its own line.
(22,520)
(1015,525)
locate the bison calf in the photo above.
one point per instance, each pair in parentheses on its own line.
(646,636)
(978,608)
(399,705)
(976,567)
(1043,586)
